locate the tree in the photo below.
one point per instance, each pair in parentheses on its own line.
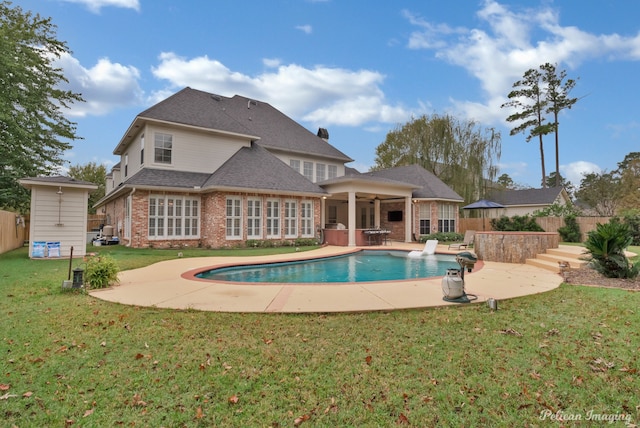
(505,181)
(557,91)
(460,153)
(557,180)
(92,173)
(629,174)
(530,104)
(601,192)
(32,125)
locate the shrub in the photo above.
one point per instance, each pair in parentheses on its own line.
(442,237)
(632,219)
(571,231)
(558,210)
(101,272)
(606,246)
(517,223)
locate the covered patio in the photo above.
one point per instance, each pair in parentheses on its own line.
(365,210)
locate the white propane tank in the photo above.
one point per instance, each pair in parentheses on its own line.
(452,284)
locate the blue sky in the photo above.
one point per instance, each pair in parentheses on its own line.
(359,68)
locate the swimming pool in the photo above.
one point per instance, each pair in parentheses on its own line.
(362,266)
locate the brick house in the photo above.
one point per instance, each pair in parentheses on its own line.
(199,169)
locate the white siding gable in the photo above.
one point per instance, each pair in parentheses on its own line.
(192,150)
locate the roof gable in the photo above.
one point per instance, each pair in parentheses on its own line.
(255,168)
(196,108)
(429,186)
(255,120)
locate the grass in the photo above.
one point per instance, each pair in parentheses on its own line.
(71,359)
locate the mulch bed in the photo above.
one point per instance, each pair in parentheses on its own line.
(588,276)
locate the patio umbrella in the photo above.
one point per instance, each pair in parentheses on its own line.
(482,204)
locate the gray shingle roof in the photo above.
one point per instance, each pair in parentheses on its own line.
(251,168)
(526,196)
(196,108)
(255,168)
(167,178)
(430,186)
(240,115)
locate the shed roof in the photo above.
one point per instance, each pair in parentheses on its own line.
(56,181)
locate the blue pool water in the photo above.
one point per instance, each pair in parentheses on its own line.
(363,266)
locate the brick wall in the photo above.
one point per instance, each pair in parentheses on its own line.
(212,220)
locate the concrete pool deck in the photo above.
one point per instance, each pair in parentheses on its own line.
(165,285)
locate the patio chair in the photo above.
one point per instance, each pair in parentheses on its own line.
(467,241)
(429,248)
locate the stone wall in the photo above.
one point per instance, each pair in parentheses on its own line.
(513,247)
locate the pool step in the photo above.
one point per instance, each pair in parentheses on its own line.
(554,258)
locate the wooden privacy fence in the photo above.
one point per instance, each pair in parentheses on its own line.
(13,231)
(549,224)
(94,221)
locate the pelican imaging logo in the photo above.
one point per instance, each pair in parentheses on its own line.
(590,415)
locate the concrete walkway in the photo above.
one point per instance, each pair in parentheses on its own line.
(169,284)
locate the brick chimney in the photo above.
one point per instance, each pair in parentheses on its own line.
(323,133)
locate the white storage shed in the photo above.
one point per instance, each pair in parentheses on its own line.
(58,216)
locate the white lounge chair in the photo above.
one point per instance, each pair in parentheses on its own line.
(467,241)
(429,248)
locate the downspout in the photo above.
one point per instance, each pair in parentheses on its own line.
(130,237)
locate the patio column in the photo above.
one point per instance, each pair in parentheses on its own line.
(376,212)
(352,219)
(408,222)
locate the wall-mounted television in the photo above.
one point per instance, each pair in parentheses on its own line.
(394,216)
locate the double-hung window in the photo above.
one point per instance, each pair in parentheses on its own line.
(290,219)
(254,218)
(333,171)
(156,217)
(321,172)
(295,164)
(273,218)
(307,170)
(234,217)
(191,217)
(142,149)
(446,218)
(163,147)
(174,216)
(425,219)
(306,218)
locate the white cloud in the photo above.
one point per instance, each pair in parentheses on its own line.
(507,43)
(104,87)
(271,62)
(575,171)
(307,29)
(95,5)
(322,95)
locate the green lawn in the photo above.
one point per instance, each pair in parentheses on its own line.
(69,359)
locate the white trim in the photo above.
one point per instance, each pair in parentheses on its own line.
(254,219)
(274,222)
(235,217)
(290,218)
